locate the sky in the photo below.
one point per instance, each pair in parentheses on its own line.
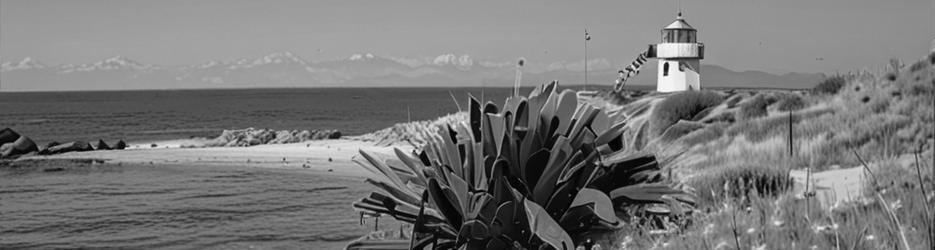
(776,36)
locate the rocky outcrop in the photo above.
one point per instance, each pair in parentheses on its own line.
(101,145)
(7,135)
(414,133)
(75,146)
(22,145)
(120,145)
(251,137)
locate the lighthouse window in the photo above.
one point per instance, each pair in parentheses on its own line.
(665,69)
(684,36)
(668,36)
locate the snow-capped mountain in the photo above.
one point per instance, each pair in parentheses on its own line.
(113,63)
(25,64)
(285,69)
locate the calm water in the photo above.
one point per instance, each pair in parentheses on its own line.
(177,207)
(138,116)
(195,207)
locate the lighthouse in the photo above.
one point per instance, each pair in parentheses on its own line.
(679,55)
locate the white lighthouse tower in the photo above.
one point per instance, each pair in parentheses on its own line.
(679,57)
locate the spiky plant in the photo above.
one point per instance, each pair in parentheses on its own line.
(544,171)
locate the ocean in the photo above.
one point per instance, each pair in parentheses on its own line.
(143,116)
(196,207)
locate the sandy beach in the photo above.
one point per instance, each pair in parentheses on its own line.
(330,157)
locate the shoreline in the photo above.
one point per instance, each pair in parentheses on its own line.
(327,157)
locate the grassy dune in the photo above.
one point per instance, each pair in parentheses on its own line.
(733,149)
(753,158)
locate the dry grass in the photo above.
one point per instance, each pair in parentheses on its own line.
(682,106)
(739,169)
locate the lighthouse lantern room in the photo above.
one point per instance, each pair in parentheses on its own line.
(679,55)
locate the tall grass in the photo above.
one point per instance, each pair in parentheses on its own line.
(830,85)
(682,106)
(739,169)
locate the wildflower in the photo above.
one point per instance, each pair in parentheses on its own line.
(626,242)
(870,237)
(813,247)
(708,229)
(778,223)
(896,205)
(751,230)
(820,229)
(760,247)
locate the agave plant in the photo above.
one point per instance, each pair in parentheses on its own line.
(543,172)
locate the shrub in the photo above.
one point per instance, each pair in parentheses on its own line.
(504,179)
(830,85)
(918,66)
(680,129)
(753,108)
(681,106)
(790,102)
(739,182)
(704,135)
(732,102)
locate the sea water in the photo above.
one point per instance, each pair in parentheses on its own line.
(144,207)
(141,116)
(196,207)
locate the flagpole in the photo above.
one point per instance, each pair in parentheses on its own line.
(587,38)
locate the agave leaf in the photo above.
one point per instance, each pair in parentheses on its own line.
(491,108)
(378,244)
(405,195)
(546,184)
(603,207)
(380,165)
(585,136)
(497,126)
(626,171)
(521,119)
(475,118)
(643,193)
(601,123)
(535,166)
(610,134)
(544,227)
(510,222)
(459,189)
(565,109)
(473,234)
(586,116)
(674,205)
(549,107)
(501,190)
(480,177)
(451,151)
(413,164)
(381,204)
(560,199)
(445,204)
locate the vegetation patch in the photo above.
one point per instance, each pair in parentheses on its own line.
(754,108)
(830,85)
(681,106)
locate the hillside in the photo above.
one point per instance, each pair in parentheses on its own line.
(865,140)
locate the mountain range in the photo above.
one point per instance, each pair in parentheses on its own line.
(286,70)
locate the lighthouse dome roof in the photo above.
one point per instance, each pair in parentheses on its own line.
(679,24)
